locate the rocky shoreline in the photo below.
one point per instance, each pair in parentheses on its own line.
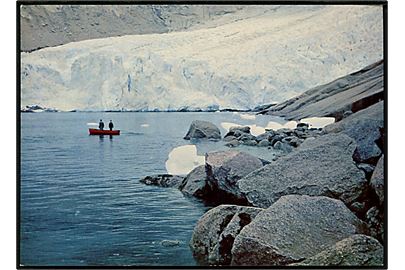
(319,202)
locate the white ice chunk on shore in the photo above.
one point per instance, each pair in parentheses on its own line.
(276,126)
(183,159)
(318,122)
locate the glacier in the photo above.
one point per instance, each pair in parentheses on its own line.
(266,58)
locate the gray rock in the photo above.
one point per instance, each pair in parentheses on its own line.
(295,142)
(163,180)
(301,134)
(233,143)
(216,230)
(224,169)
(302,125)
(229,138)
(203,130)
(288,139)
(357,250)
(375,223)
(363,126)
(245,129)
(195,183)
(238,132)
(282,146)
(262,137)
(250,142)
(368,169)
(377,180)
(246,137)
(347,113)
(358,207)
(321,167)
(277,138)
(286,131)
(264,143)
(352,92)
(292,229)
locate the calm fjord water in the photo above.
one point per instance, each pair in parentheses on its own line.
(81,200)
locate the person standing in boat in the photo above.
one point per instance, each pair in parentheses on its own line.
(101,125)
(111,125)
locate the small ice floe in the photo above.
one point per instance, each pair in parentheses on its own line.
(276,126)
(256,130)
(145,125)
(318,122)
(248,116)
(77,213)
(92,124)
(183,159)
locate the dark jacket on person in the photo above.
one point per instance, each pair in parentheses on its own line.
(101,125)
(111,125)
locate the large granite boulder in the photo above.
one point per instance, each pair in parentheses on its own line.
(365,127)
(377,180)
(203,130)
(357,250)
(294,228)
(163,180)
(216,230)
(319,167)
(350,93)
(195,183)
(225,168)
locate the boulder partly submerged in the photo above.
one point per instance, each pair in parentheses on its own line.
(365,128)
(377,180)
(203,130)
(225,168)
(163,180)
(216,230)
(357,250)
(319,167)
(294,228)
(195,183)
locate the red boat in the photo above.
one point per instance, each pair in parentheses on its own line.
(94,131)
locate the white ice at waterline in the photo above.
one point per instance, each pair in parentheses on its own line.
(183,159)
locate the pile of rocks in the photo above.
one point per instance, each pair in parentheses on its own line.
(296,229)
(283,139)
(319,205)
(216,181)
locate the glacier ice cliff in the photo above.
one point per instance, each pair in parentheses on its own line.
(266,58)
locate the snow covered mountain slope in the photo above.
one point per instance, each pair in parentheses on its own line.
(262,59)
